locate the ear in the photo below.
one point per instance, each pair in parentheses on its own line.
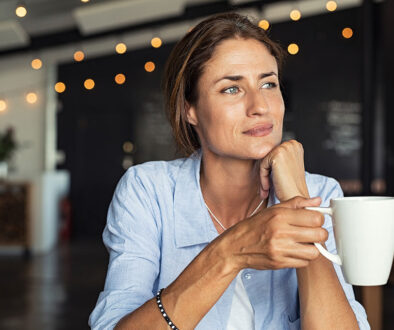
(191,114)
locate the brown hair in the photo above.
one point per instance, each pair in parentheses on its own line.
(186,62)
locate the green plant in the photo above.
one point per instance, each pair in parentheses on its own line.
(7,144)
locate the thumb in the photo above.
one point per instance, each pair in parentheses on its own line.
(299,202)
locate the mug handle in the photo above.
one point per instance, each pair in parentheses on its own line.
(332,257)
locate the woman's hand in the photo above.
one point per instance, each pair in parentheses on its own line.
(286,163)
(277,237)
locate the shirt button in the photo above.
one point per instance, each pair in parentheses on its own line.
(248,276)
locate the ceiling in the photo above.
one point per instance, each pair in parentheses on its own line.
(50,23)
(49,17)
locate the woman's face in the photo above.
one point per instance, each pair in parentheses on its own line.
(239,111)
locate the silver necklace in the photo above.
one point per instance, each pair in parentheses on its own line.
(217,220)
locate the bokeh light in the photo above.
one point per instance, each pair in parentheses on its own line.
(121,48)
(293,49)
(89,83)
(331,5)
(31,98)
(79,56)
(149,66)
(128,147)
(60,87)
(156,42)
(3,105)
(347,33)
(295,15)
(36,64)
(120,78)
(264,24)
(21,11)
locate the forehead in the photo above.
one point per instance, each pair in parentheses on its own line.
(240,54)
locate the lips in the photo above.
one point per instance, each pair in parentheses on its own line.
(260,130)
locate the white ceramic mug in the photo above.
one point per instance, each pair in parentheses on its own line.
(364,236)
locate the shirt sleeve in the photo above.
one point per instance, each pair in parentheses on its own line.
(332,189)
(132,238)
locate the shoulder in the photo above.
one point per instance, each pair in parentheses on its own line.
(323,186)
(152,175)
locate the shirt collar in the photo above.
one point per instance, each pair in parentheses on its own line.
(193,225)
(192,222)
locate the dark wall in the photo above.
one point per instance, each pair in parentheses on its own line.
(322,83)
(321,86)
(388,55)
(94,124)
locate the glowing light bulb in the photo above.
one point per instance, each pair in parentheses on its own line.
(3,105)
(21,11)
(293,49)
(347,33)
(156,42)
(79,56)
(36,64)
(149,66)
(264,24)
(120,78)
(295,15)
(60,87)
(89,84)
(31,98)
(331,5)
(121,48)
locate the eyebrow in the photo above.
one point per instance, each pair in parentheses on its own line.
(239,77)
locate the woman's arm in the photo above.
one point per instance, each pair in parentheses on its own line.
(272,239)
(323,303)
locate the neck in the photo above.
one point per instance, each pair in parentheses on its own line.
(230,187)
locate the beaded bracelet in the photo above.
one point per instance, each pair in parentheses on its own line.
(163,312)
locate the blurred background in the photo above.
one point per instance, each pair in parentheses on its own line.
(80,102)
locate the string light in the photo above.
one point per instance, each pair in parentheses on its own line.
(79,56)
(120,78)
(331,5)
(121,48)
(60,87)
(3,105)
(293,49)
(347,33)
(36,64)
(264,24)
(89,84)
(31,98)
(128,147)
(156,42)
(21,11)
(149,66)
(295,15)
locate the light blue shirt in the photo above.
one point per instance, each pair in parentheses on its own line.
(157,223)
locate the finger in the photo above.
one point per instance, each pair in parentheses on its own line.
(304,251)
(263,193)
(298,217)
(309,234)
(265,170)
(301,202)
(260,261)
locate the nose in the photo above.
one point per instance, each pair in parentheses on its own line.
(257,104)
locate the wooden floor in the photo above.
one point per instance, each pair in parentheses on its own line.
(58,291)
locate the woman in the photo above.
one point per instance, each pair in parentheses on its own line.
(224,231)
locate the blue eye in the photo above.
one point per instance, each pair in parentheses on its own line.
(231,90)
(269,85)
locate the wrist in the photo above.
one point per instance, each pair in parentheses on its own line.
(221,253)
